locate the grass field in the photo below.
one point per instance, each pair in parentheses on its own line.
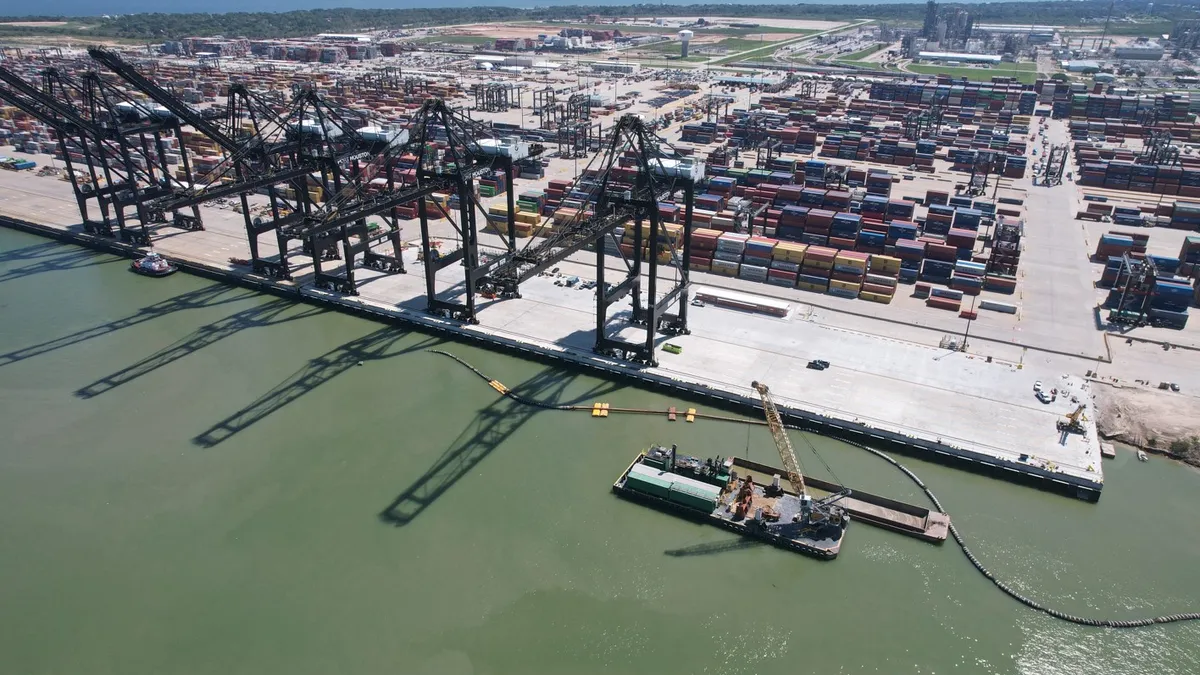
(741,44)
(668,47)
(660,61)
(1025,73)
(761,53)
(863,53)
(457,39)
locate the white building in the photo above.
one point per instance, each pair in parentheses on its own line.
(958,56)
(1080,66)
(1141,51)
(622,67)
(343,37)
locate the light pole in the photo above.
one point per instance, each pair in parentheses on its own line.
(970,317)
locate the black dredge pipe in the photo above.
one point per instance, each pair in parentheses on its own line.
(958,538)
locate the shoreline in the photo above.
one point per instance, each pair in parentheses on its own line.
(842,427)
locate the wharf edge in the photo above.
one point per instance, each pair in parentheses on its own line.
(845,429)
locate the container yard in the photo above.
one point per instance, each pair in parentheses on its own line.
(931,238)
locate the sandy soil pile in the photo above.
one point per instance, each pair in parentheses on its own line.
(1147,418)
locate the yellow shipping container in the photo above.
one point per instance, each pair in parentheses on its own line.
(875,297)
(845,285)
(789,252)
(531,218)
(884,263)
(818,264)
(849,261)
(816,288)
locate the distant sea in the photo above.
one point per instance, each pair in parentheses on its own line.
(100,7)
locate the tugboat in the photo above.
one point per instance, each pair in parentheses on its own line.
(153,265)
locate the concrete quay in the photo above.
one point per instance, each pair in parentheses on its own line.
(960,408)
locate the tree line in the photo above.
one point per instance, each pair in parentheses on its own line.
(158,27)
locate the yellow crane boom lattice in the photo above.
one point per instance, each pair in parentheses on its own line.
(784,444)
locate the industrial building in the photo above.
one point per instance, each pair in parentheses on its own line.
(958,56)
(619,67)
(1079,66)
(1139,51)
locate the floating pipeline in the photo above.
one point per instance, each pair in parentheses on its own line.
(1005,588)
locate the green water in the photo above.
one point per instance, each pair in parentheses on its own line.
(197,479)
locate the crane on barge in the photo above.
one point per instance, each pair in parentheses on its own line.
(791,465)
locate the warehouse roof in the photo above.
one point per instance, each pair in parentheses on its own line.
(954,56)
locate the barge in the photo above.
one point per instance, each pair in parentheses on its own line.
(712,491)
(888,514)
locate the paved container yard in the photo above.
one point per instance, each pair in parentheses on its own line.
(891,370)
(890,384)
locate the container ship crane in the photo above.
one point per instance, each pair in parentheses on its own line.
(121,151)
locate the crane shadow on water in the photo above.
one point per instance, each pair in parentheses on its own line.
(58,261)
(31,252)
(272,313)
(713,547)
(489,430)
(209,296)
(375,346)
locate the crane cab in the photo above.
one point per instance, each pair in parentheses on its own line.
(683,167)
(511,147)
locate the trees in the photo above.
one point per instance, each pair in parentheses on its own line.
(310,22)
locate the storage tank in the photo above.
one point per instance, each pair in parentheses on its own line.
(685,36)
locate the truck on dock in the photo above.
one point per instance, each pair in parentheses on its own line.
(14,164)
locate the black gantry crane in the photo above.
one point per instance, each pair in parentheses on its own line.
(661,173)
(451,152)
(247,132)
(300,154)
(120,144)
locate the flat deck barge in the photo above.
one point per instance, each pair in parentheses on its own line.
(778,518)
(889,514)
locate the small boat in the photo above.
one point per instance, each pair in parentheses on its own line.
(153,265)
(1141,455)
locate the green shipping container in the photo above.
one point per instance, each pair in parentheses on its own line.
(650,485)
(684,496)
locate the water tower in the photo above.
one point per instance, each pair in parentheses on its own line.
(685,36)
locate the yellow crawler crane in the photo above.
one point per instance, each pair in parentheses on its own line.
(775,423)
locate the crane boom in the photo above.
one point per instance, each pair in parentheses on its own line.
(775,423)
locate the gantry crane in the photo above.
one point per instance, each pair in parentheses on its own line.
(121,146)
(661,173)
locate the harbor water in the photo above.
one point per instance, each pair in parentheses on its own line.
(195,478)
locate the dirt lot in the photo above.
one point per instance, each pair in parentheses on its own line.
(1146,418)
(502,30)
(34,24)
